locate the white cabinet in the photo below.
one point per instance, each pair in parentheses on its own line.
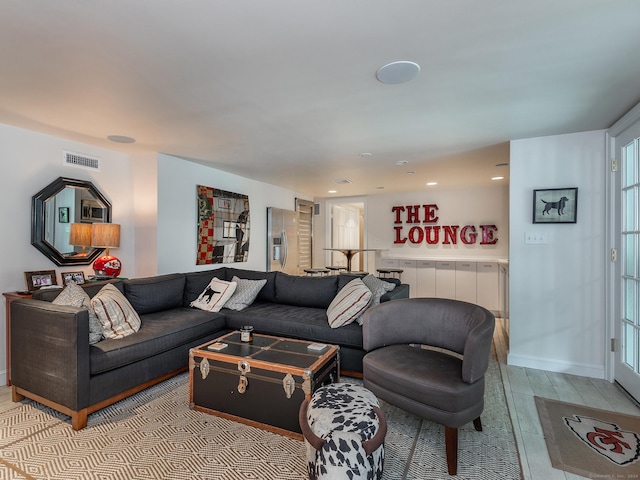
(408,275)
(445,279)
(388,263)
(466,281)
(425,278)
(488,285)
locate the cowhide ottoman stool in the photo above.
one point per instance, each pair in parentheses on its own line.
(344,430)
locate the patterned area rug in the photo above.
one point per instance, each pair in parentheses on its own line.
(590,442)
(155,435)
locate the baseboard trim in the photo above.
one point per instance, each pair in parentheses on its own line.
(583,370)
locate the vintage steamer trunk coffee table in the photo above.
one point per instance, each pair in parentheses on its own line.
(262,382)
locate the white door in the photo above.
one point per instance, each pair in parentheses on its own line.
(626,286)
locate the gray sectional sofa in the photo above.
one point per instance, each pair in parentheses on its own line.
(52,361)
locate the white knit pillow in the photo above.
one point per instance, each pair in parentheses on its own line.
(74,296)
(215,295)
(245,293)
(116,315)
(349,303)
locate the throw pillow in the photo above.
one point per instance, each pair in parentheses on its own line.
(116,315)
(349,303)
(378,288)
(74,295)
(245,293)
(215,295)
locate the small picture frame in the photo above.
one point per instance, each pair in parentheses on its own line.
(555,205)
(63,214)
(39,279)
(73,277)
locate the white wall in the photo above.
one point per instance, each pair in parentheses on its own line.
(479,206)
(177,212)
(557,290)
(30,161)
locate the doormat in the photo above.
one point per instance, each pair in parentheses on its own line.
(590,442)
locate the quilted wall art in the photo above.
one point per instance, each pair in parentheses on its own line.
(223,226)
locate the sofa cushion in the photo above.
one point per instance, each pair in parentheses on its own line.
(245,293)
(349,303)
(196,282)
(215,295)
(74,296)
(304,323)
(160,332)
(268,292)
(116,315)
(152,294)
(315,292)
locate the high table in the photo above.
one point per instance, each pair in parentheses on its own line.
(350,253)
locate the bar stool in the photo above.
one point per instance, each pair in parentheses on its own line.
(335,268)
(316,271)
(384,272)
(355,274)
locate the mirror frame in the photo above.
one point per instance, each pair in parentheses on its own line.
(38,220)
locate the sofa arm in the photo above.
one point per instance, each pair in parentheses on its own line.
(401,291)
(50,351)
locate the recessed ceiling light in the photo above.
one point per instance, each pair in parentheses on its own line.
(398,72)
(497,178)
(431,184)
(410,172)
(366,154)
(504,164)
(121,139)
(333,191)
(401,162)
(342,181)
(379,188)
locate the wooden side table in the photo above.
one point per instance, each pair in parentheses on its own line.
(10,297)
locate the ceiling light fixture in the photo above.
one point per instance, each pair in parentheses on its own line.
(401,162)
(410,172)
(366,154)
(342,181)
(504,164)
(497,178)
(121,139)
(398,72)
(333,191)
(431,184)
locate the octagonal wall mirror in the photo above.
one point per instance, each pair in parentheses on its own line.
(54,211)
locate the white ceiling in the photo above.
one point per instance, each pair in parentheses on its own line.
(284,91)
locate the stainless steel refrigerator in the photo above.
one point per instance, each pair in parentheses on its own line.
(282,241)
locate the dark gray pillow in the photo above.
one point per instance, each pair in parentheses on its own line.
(153,294)
(196,282)
(267,293)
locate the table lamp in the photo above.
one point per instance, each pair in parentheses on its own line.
(80,236)
(106,235)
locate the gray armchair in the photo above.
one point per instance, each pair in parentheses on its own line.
(428,356)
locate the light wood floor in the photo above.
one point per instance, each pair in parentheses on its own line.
(521,385)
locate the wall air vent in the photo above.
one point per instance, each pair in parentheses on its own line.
(81,160)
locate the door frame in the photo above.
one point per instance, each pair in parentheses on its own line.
(612,241)
(329,203)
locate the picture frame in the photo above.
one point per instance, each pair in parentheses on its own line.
(76,277)
(40,278)
(555,205)
(63,214)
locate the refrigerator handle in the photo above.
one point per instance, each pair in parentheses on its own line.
(285,247)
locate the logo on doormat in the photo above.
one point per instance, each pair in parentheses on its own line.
(619,446)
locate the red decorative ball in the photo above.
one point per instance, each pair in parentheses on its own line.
(107,266)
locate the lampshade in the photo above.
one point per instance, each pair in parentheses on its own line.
(105,235)
(80,235)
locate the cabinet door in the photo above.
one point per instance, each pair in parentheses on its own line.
(488,285)
(425,278)
(445,279)
(388,263)
(466,281)
(409,275)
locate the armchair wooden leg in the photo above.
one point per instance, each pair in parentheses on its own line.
(451,442)
(477,423)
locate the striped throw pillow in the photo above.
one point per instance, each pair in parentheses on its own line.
(116,315)
(349,303)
